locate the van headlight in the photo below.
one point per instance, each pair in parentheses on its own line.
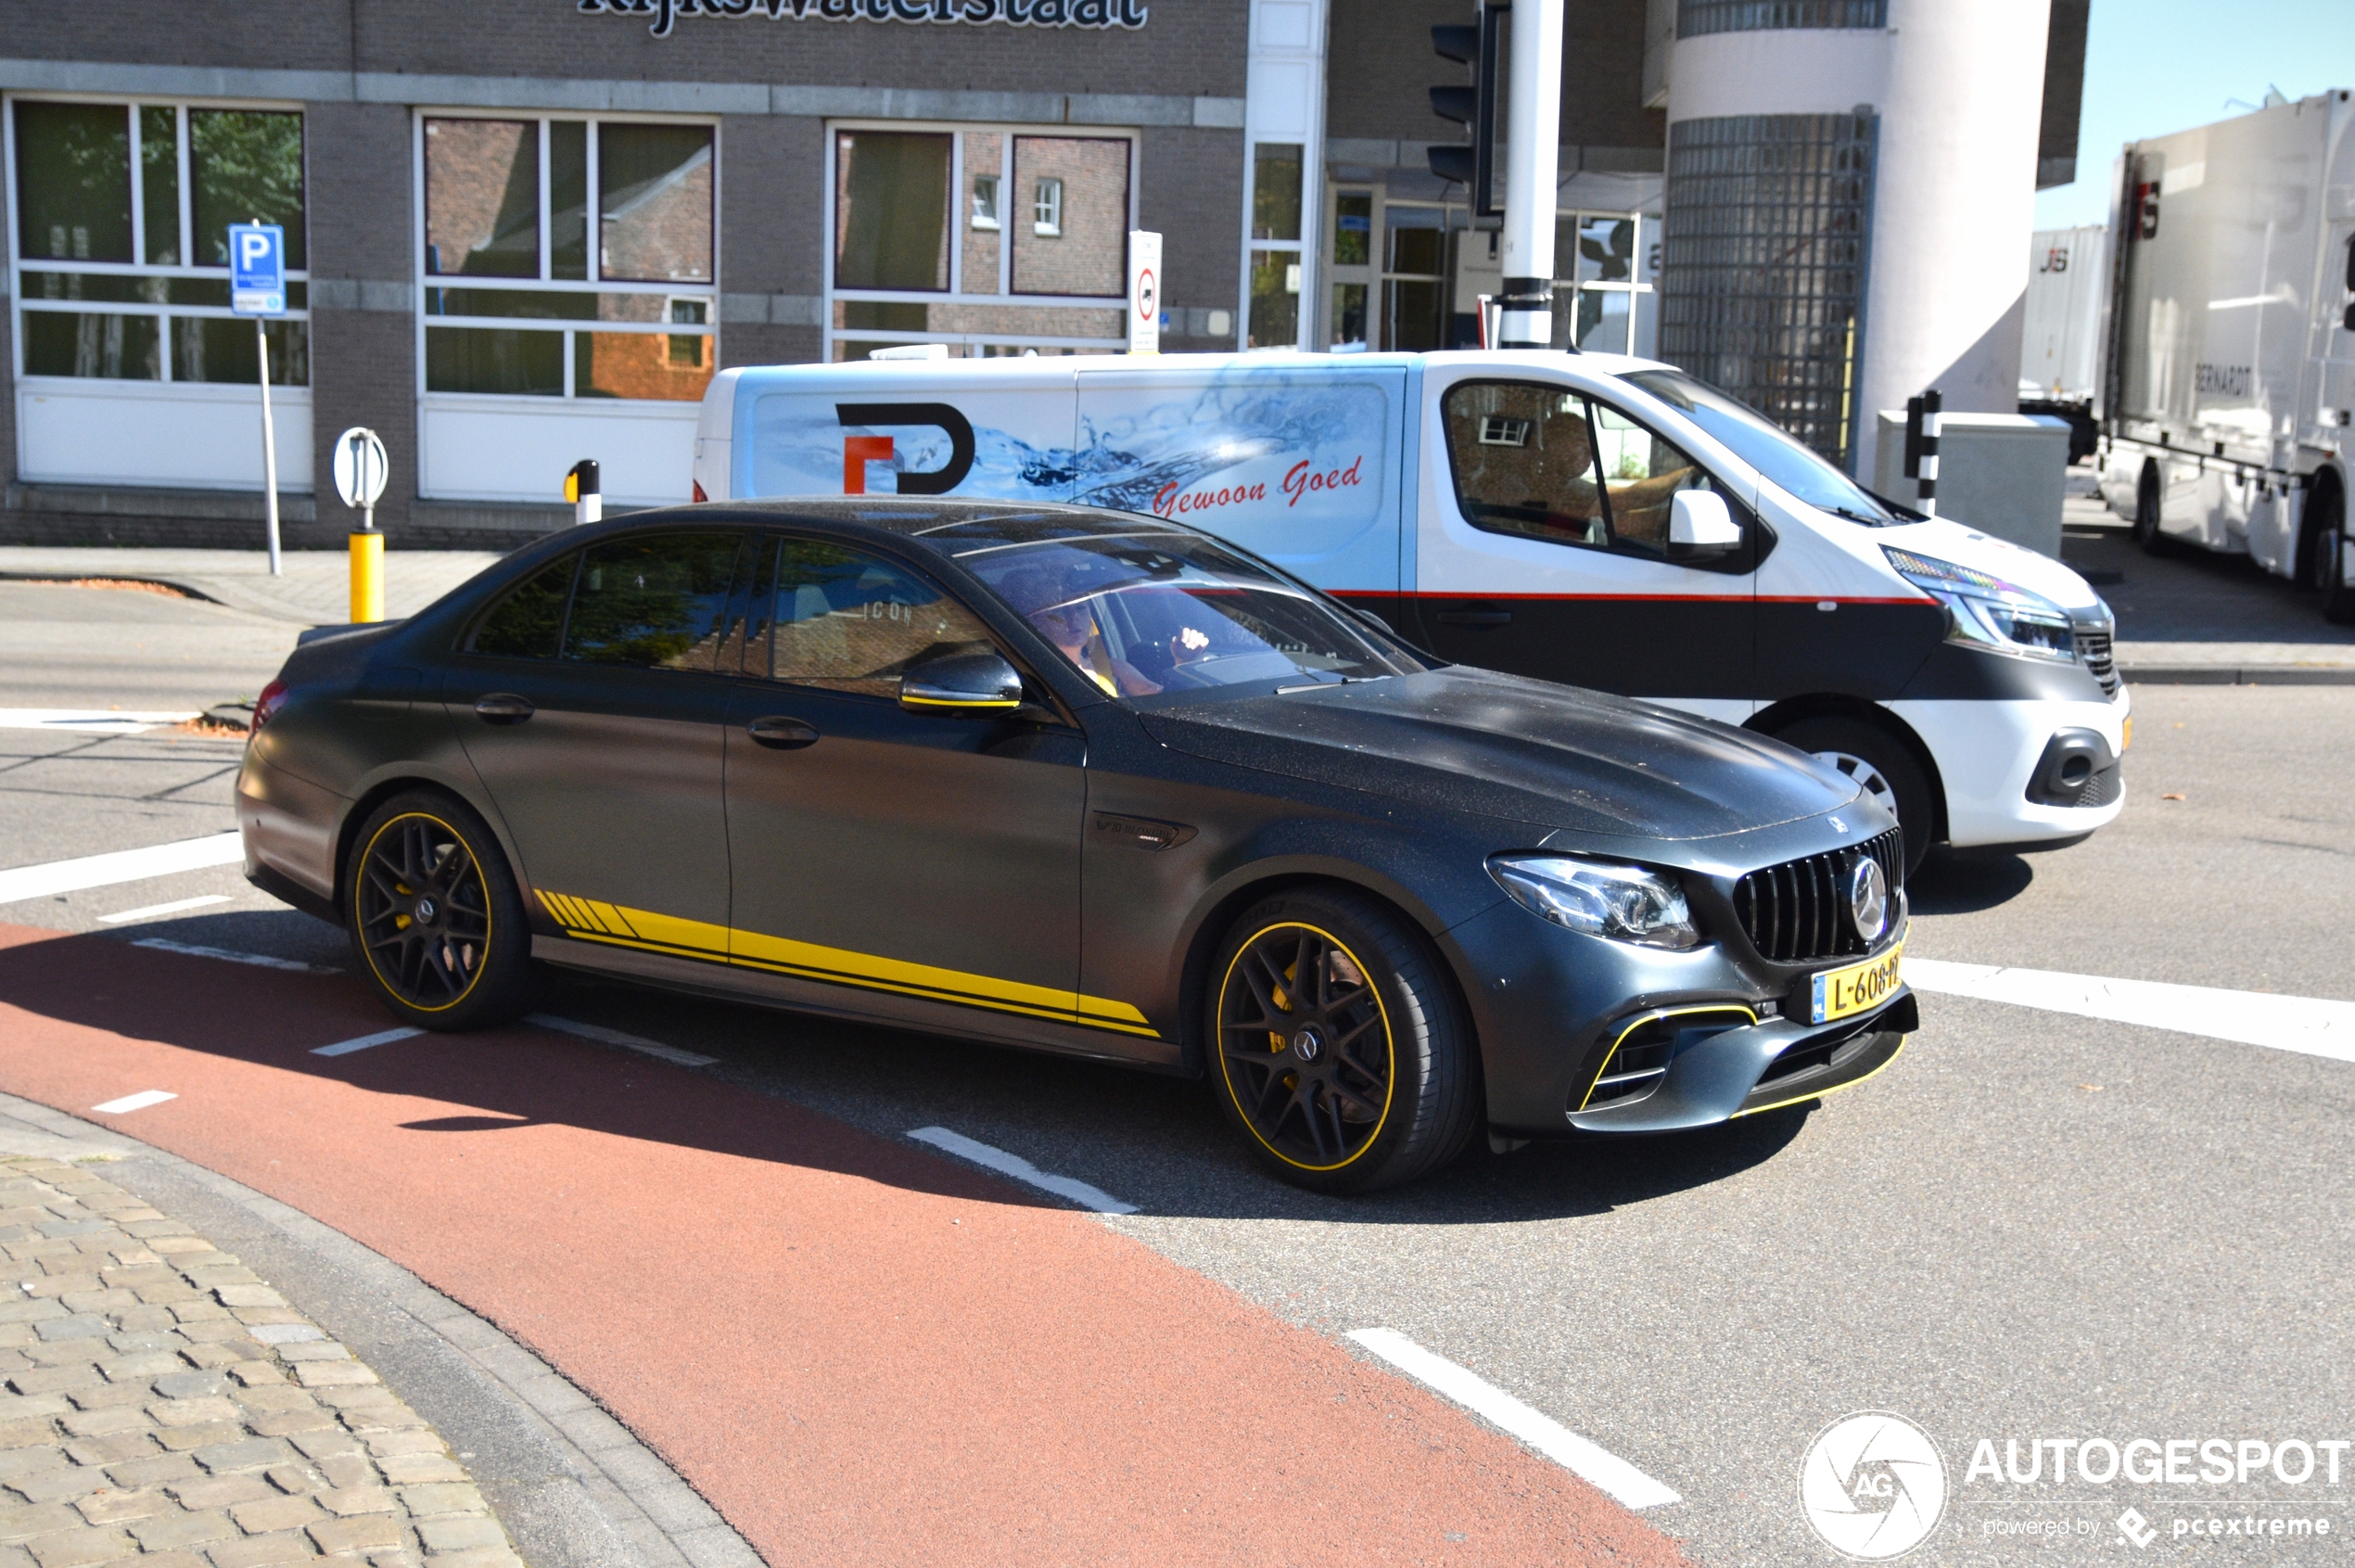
(1986,612)
(1625,903)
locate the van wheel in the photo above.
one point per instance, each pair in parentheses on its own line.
(437,922)
(1882,767)
(1338,1047)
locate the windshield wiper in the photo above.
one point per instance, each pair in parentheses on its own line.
(1855,516)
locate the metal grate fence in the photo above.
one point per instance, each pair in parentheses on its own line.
(1762,263)
(1695,17)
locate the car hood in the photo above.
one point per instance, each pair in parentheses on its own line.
(1945,539)
(1470,740)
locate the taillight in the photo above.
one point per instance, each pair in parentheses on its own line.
(699,494)
(272,697)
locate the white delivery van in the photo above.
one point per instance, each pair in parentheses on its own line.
(2230,389)
(1602,521)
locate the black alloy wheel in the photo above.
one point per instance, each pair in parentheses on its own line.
(435,920)
(1338,1044)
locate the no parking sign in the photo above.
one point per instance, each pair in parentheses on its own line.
(1145,292)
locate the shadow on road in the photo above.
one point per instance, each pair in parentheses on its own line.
(817,1093)
(1966,880)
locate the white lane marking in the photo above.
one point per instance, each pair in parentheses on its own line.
(1004,1163)
(1602,1469)
(201,900)
(87,720)
(346,1047)
(2307,1025)
(121,865)
(615,1037)
(138,1102)
(231,955)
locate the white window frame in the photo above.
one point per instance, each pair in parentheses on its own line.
(1638,281)
(961,212)
(1047,209)
(517,447)
(985,220)
(96,399)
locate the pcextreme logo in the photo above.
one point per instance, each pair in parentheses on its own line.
(1873,1486)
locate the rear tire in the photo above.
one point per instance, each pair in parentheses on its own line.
(2327,517)
(1363,1076)
(1881,765)
(438,925)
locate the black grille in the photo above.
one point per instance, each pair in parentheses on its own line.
(2092,652)
(1798,911)
(2104,786)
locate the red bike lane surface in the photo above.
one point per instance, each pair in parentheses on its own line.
(856,1351)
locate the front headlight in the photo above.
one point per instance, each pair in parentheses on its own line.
(1625,903)
(1987,612)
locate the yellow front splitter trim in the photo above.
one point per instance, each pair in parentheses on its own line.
(592,920)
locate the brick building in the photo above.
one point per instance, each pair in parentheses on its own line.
(529,231)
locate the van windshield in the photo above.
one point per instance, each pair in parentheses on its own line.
(1166,612)
(1767,447)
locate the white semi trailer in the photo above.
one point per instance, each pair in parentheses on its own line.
(2228,396)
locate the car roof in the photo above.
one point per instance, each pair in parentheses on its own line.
(949,526)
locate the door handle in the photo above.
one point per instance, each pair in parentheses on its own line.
(782,734)
(1473,617)
(504,708)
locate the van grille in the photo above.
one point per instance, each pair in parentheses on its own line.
(2094,653)
(1798,911)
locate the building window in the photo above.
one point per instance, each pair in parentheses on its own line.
(122,240)
(547,304)
(1415,279)
(1606,270)
(1763,264)
(1276,249)
(1350,270)
(910,264)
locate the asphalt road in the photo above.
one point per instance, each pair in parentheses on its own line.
(2031,1226)
(106,647)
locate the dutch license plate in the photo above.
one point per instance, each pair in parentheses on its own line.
(1860,986)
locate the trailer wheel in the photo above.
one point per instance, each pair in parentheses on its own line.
(2146,534)
(2338,593)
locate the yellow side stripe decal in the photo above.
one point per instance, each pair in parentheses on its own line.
(596,921)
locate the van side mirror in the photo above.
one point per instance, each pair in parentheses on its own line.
(979,683)
(1701,526)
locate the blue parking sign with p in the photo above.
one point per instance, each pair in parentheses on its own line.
(258,269)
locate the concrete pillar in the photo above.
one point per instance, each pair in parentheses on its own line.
(1953,206)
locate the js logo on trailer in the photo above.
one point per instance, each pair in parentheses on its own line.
(859,450)
(1873,1486)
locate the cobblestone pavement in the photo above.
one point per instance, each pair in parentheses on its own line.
(165,1405)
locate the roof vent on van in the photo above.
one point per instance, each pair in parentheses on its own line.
(910,351)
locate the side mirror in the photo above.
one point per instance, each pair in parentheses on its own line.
(1699,525)
(961,683)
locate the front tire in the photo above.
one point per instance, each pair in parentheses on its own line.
(1337,1046)
(2146,529)
(1881,766)
(437,922)
(2338,593)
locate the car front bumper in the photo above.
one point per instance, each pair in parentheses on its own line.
(1551,1005)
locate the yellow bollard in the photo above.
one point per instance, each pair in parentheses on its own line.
(367,576)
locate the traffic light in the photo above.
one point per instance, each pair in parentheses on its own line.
(1473,108)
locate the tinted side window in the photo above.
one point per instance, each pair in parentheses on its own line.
(854,622)
(1641,472)
(531,617)
(1523,456)
(655,602)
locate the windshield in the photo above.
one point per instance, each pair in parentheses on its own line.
(1153,612)
(1767,447)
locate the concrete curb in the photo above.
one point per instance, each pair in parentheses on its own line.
(647,1511)
(2239,675)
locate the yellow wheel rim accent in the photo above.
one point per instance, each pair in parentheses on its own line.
(1285,995)
(403,922)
